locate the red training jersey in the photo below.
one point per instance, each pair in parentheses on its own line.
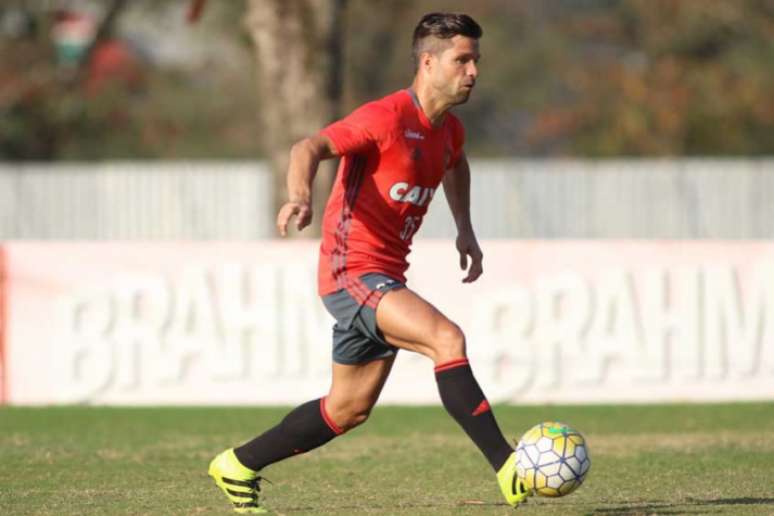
(392,162)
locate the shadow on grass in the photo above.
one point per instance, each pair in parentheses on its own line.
(690,506)
(352,509)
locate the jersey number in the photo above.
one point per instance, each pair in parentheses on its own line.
(410,227)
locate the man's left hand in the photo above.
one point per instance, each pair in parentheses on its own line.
(468,246)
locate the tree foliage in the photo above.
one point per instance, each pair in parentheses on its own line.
(586,78)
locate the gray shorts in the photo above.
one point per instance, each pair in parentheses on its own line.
(356,338)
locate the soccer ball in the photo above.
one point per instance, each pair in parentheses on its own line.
(552,459)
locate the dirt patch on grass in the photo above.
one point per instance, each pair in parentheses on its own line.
(15,440)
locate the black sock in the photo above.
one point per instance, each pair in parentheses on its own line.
(463,399)
(305,428)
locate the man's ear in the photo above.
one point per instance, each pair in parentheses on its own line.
(425,60)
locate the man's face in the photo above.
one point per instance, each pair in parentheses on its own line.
(454,70)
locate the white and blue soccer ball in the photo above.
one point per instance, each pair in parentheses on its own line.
(552,459)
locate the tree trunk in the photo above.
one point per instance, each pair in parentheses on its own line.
(298,54)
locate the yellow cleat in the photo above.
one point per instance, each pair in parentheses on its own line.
(513,488)
(240,484)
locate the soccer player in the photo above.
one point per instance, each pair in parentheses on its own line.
(394,154)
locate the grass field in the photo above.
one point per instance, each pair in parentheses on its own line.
(686,459)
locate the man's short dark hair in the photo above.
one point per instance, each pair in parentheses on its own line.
(443,26)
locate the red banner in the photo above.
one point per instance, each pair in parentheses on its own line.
(3,312)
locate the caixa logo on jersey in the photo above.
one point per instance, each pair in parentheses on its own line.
(414,194)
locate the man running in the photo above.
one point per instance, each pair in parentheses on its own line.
(394,154)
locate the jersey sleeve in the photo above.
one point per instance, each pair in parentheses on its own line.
(457,138)
(370,125)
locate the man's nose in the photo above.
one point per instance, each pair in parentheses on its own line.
(472,70)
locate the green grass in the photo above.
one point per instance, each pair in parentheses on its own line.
(674,459)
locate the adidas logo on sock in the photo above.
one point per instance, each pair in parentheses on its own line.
(482,407)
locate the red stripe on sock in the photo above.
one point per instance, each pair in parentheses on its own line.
(451,364)
(328,421)
(482,407)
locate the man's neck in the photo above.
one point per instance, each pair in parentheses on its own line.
(433,108)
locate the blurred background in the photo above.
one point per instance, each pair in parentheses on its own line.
(178,83)
(91,89)
(622,174)
(590,79)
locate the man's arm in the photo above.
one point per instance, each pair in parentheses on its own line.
(305,156)
(456,187)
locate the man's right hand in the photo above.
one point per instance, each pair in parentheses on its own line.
(301,210)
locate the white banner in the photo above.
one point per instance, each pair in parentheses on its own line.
(230,323)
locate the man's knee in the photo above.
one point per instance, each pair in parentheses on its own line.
(448,342)
(349,413)
(357,416)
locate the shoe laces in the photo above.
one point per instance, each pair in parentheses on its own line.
(256,483)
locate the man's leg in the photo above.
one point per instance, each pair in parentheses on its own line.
(409,322)
(354,391)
